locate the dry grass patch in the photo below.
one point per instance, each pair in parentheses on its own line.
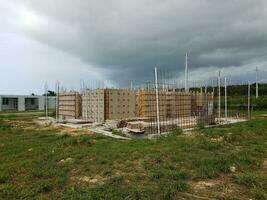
(265,163)
(73,131)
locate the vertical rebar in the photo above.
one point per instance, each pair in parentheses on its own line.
(219,100)
(249,100)
(157,99)
(186,74)
(46,103)
(57,101)
(225,100)
(257,84)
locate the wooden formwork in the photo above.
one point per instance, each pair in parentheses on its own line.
(69,105)
(146,104)
(179,104)
(119,104)
(171,104)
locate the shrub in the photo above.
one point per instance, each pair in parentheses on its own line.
(177,131)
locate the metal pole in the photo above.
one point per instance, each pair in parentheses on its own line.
(225,100)
(219,90)
(257,85)
(206,87)
(186,74)
(46,103)
(86,102)
(249,100)
(57,101)
(157,99)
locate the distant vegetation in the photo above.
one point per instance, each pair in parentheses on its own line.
(50,93)
(238,96)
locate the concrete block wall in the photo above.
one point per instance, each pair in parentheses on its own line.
(108,104)
(21,103)
(120,103)
(11,103)
(93,105)
(31,103)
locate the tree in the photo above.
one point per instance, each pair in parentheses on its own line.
(50,93)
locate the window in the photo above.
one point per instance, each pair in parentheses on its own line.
(32,101)
(5,101)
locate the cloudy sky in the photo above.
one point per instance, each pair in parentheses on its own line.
(123,40)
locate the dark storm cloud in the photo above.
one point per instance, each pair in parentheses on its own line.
(125,39)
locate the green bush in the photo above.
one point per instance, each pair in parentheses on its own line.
(177,131)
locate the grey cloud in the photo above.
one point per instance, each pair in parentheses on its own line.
(125,39)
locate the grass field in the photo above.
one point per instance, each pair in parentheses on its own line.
(228,162)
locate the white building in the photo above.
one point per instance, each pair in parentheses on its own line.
(22,102)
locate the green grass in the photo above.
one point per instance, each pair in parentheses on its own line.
(32,167)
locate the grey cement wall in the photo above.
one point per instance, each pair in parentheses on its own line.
(22,103)
(31,103)
(52,102)
(11,104)
(41,103)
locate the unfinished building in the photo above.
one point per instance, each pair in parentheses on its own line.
(139,108)
(69,105)
(108,104)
